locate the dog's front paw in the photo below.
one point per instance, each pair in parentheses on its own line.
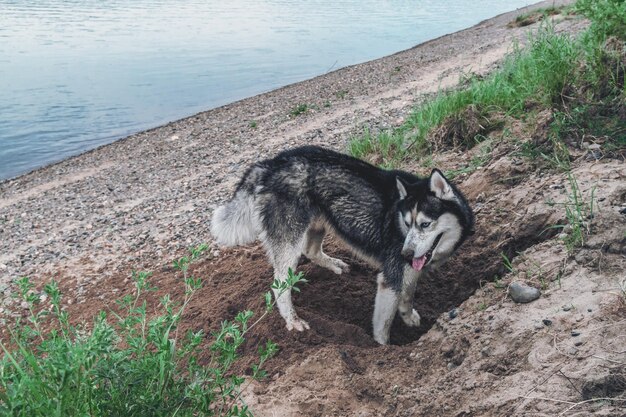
(298,324)
(411,318)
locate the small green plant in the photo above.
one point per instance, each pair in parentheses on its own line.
(341,94)
(299,109)
(497,283)
(507,262)
(578,214)
(253,124)
(129,364)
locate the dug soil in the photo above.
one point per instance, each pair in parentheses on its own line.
(139,203)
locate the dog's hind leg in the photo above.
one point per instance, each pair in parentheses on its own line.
(284,225)
(385,309)
(405,306)
(313,250)
(285,257)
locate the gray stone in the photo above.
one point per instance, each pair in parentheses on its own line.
(521,293)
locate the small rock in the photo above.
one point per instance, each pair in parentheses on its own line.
(567,307)
(578,343)
(521,293)
(589,310)
(453,313)
(25,305)
(594,146)
(451,366)
(447,348)
(538,326)
(572,351)
(486,351)
(3,267)
(547,322)
(575,333)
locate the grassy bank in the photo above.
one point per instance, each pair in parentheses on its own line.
(579,81)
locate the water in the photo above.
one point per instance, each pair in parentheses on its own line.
(78,74)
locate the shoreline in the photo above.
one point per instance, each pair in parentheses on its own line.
(142,199)
(292,85)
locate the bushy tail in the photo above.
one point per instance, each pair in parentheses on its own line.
(236,222)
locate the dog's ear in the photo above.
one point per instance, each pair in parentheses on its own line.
(401,188)
(440,186)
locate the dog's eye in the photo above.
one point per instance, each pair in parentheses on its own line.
(424,225)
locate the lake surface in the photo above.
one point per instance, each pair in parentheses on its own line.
(78,74)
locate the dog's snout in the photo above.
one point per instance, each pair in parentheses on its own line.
(408,253)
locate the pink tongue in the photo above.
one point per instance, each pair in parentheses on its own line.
(418,263)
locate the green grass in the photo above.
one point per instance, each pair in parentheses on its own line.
(128,362)
(581,80)
(531,76)
(579,213)
(299,109)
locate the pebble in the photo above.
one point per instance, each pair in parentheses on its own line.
(547,322)
(453,313)
(486,351)
(521,293)
(567,307)
(575,333)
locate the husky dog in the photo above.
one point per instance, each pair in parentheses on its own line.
(401,224)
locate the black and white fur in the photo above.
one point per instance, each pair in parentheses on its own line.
(399,223)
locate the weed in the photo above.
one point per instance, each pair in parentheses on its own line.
(127,364)
(341,94)
(482,306)
(507,262)
(253,124)
(578,213)
(299,109)
(497,283)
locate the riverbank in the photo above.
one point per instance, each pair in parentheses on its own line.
(136,204)
(145,198)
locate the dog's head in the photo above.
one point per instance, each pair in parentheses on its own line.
(434,217)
